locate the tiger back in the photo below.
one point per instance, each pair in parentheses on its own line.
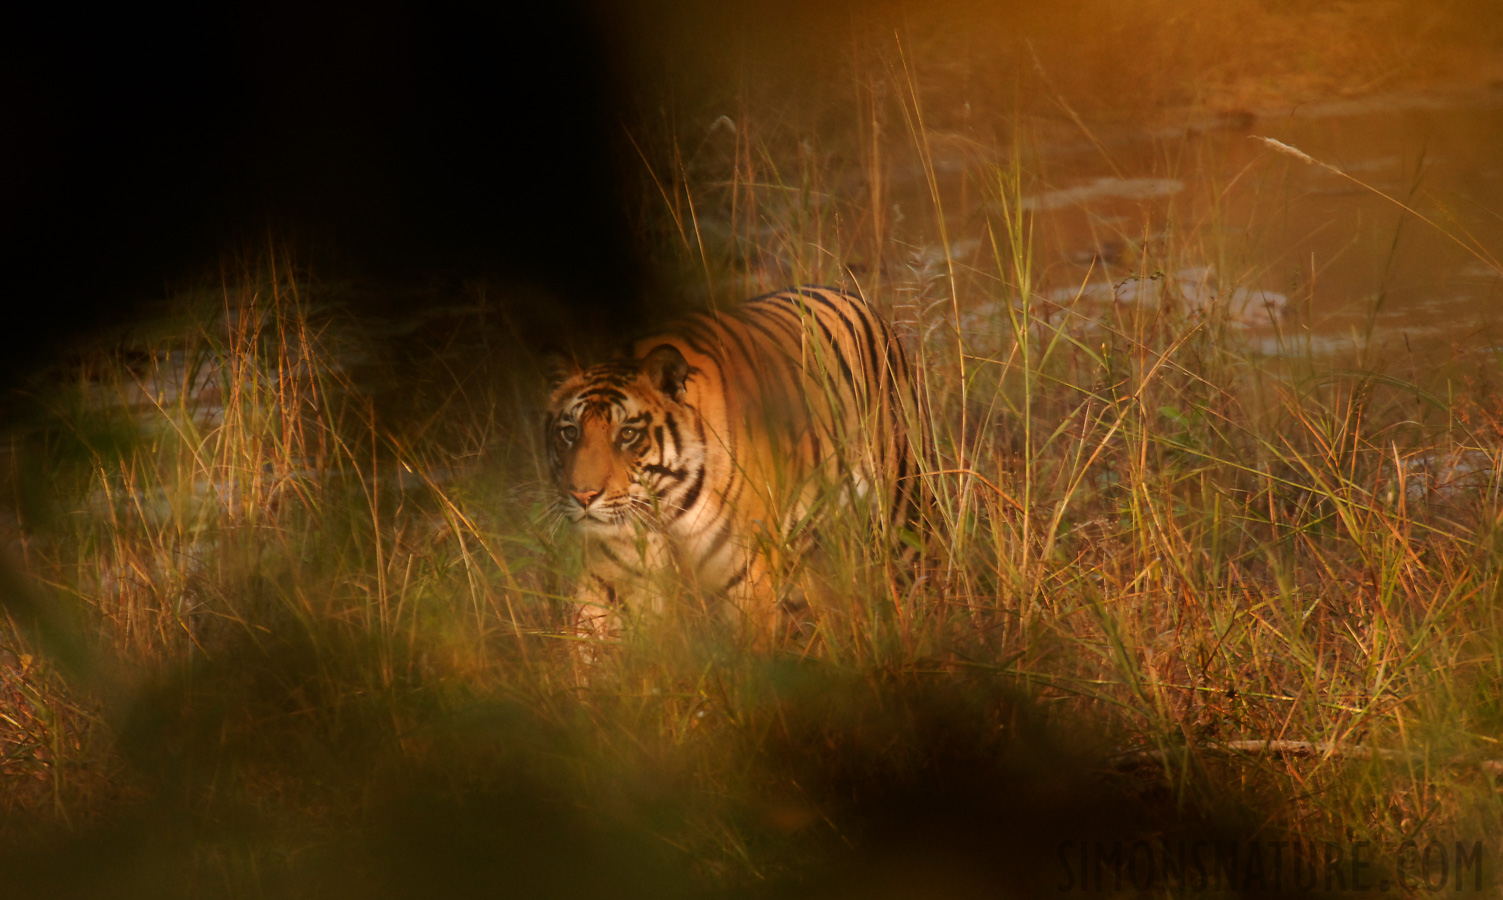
(710,451)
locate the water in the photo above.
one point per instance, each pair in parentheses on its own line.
(1321,256)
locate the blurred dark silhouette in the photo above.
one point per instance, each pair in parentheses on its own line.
(399,142)
(841,788)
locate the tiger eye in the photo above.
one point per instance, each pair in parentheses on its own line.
(627,435)
(568,433)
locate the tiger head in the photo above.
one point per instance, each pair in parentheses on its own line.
(621,441)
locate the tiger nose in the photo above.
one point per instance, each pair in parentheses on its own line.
(584,497)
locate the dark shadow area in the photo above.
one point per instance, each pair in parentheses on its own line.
(394,143)
(285,768)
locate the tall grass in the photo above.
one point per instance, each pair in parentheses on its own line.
(291,616)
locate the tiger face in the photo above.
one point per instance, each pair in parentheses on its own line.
(620,441)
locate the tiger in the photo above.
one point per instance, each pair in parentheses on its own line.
(710,447)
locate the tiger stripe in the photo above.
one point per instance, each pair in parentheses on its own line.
(716,440)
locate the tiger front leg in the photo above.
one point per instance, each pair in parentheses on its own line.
(618,586)
(596,621)
(765,611)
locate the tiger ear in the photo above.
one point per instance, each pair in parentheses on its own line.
(666,369)
(558,366)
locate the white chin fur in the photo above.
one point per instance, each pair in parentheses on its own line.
(597,520)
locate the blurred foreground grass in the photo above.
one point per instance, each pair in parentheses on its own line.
(285,610)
